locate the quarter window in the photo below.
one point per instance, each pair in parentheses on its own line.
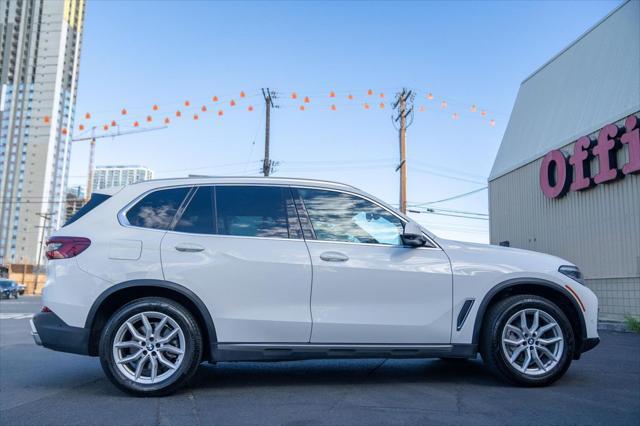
(336,216)
(256,211)
(197,218)
(157,209)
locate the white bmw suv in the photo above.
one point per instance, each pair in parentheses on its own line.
(159,276)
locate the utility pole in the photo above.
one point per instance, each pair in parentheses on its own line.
(404,106)
(269,96)
(46,217)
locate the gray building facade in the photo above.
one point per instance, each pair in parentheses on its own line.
(565,180)
(40,43)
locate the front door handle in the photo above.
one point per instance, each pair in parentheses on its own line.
(334,256)
(189,248)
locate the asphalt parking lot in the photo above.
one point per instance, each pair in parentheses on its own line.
(42,387)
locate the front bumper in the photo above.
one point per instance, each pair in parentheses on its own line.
(50,331)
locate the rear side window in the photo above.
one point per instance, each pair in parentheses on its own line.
(197,218)
(256,211)
(157,209)
(94,201)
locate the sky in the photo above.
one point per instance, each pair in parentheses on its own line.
(137,54)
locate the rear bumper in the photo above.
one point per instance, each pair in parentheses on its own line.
(589,344)
(51,332)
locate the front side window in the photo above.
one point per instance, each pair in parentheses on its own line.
(197,218)
(336,216)
(255,211)
(157,209)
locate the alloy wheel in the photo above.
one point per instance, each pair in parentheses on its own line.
(149,347)
(532,342)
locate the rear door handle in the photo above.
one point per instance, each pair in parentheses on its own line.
(334,256)
(189,248)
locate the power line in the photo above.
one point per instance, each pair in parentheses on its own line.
(454,197)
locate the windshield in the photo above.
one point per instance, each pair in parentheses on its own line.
(6,284)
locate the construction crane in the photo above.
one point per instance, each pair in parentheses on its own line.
(92,150)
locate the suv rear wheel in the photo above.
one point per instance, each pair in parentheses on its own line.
(151,347)
(527,340)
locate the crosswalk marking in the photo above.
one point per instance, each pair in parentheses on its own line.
(15,315)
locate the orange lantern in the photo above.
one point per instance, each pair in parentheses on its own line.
(81,127)
(178,113)
(366,106)
(167,120)
(123,111)
(455,116)
(187,103)
(214,99)
(369,92)
(250,108)
(430,96)
(242,95)
(443,105)
(381,105)
(87,116)
(136,124)
(334,108)
(149,119)
(492,123)
(64,130)
(195,116)
(422,108)
(105,127)
(294,95)
(232,102)
(483,113)
(301,107)
(155,107)
(220,112)
(474,108)
(113,123)
(204,108)
(46,119)
(350,97)
(381,95)
(306,100)
(332,94)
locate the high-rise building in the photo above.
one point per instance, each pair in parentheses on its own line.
(40,42)
(75,199)
(108,176)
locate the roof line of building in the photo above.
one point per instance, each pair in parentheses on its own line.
(574,42)
(567,141)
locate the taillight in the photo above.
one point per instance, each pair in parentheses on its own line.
(66,247)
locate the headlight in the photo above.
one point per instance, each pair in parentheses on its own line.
(572,272)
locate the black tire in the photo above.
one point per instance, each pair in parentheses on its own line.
(192,351)
(491,340)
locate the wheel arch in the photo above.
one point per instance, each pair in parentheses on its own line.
(116,296)
(540,287)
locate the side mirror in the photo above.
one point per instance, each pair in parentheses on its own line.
(412,235)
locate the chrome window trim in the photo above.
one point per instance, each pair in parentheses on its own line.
(122,218)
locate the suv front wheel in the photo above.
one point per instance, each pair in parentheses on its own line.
(151,347)
(527,340)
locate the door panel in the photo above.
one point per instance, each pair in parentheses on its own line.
(380,294)
(367,286)
(257,289)
(248,263)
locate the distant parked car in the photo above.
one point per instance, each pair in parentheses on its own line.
(21,289)
(8,288)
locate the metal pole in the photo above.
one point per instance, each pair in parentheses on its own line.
(43,227)
(266,165)
(403,154)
